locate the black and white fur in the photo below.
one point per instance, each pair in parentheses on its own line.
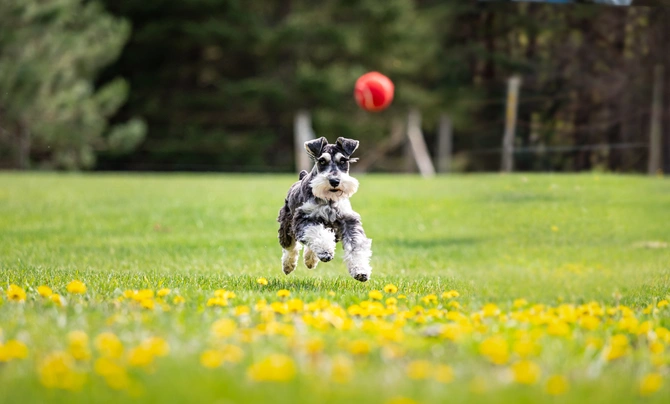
(317,212)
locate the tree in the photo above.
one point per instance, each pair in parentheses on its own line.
(50,109)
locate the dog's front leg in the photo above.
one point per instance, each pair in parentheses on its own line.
(319,239)
(357,248)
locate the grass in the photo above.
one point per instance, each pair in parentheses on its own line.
(550,239)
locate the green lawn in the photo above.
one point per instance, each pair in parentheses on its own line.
(550,239)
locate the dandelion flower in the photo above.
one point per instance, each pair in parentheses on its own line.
(390,288)
(663,303)
(13,349)
(359,347)
(16,293)
(283,293)
(450,294)
(44,291)
(224,328)
(163,292)
(495,349)
(57,299)
(429,299)
(178,300)
(211,358)
(342,369)
(275,368)
(375,295)
(109,345)
(262,281)
(78,345)
(650,384)
(519,303)
(526,372)
(76,287)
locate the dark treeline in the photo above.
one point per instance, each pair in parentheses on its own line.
(218,82)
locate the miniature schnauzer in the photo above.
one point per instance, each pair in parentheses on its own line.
(317,212)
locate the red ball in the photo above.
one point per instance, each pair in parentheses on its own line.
(373,91)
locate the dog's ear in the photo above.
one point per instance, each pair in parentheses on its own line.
(315,146)
(349,146)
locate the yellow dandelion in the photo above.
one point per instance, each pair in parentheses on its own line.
(275,368)
(557,385)
(663,303)
(148,304)
(650,384)
(454,305)
(490,310)
(402,297)
(16,293)
(429,299)
(375,295)
(163,292)
(178,300)
(217,301)
(140,356)
(495,349)
(359,347)
(78,345)
(13,349)
(554,228)
(224,328)
(109,345)
(391,301)
(262,281)
(451,294)
(76,287)
(57,299)
(212,358)
(390,288)
(44,291)
(283,293)
(157,346)
(526,372)
(342,369)
(57,371)
(331,293)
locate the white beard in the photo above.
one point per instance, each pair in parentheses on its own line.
(321,188)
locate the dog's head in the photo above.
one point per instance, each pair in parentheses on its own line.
(330,176)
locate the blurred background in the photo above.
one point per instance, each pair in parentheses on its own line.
(218,85)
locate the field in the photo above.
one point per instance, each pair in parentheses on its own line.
(485,288)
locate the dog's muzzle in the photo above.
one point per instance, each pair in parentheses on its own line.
(334,182)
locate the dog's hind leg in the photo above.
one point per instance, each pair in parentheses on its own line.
(289,258)
(357,249)
(310,258)
(291,249)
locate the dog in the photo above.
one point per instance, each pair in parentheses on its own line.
(317,212)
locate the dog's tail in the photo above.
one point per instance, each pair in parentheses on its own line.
(303,173)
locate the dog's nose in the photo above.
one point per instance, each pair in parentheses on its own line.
(334,182)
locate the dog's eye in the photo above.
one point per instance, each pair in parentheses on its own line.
(322,162)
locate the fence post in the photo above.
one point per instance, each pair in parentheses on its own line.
(655,143)
(513,84)
(302,132)
(444,144)
(418,144)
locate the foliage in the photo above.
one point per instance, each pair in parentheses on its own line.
(51,108)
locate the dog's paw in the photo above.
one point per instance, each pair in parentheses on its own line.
(362,277)
(288,269)
(325,256)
